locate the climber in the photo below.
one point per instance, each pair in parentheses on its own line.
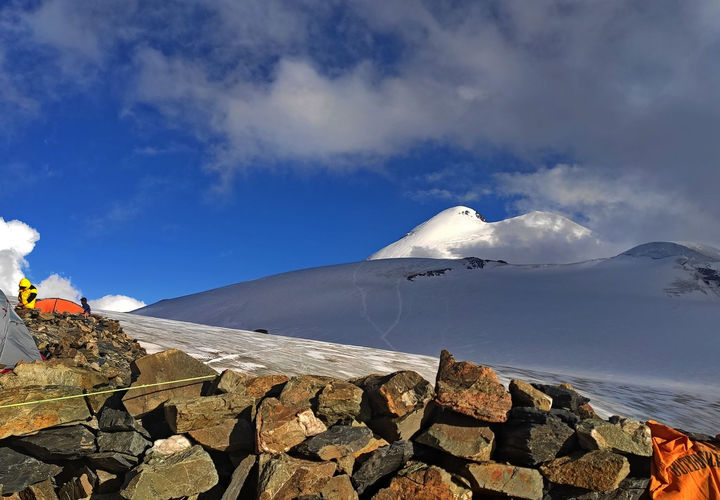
(27,294)
(85,306)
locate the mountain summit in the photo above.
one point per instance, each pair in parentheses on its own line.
(532,238)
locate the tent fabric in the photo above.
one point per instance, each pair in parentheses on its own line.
(16,343)
(58,305)
(683,468)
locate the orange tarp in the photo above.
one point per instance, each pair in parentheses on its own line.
(683,469)
(58,305)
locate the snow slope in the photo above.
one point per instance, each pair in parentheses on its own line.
(634,321)
(536,237)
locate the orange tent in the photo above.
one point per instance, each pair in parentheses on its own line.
(58,305)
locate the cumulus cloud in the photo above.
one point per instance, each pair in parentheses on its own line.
(626,91)
(17,241)
(119,303)
(627,207)
(57,286)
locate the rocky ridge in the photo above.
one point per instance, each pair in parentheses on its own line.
(233,435)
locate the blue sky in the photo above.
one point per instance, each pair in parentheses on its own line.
(164,148)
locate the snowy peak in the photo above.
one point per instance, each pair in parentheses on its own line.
(532,238)
(667,249)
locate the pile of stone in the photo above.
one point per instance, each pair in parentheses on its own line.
(383,437)
(94,341)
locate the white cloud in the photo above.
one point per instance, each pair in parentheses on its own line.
(57,286)
(625,91)
(446,194)
(628,208)
(119,303)
(17,240)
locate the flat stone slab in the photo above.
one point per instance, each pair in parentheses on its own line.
(599,470)
(28,419)
(58,443)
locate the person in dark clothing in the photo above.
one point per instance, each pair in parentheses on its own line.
(85,306)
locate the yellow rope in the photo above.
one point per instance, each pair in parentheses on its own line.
(106,391)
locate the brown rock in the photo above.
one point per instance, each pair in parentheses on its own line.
(229,435)
(405,427)
(586,411)
(599,470)
(493,478)
(419,481)
(300,390)
(341,402)
(186,414)
(471,389)
(398,393)
(279,427)
(163,367)
(27,419)
(39,491)
(338,488)
(284,478)
(80,486)
(460,436)
(107,482)
(523,394)
(265,386)
(231,381)
(55,372)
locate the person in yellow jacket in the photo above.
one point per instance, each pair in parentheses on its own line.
(27,295)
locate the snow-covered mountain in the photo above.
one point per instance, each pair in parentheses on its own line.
(536,237)
(648,316)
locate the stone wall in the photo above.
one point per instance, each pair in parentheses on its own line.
(232,435)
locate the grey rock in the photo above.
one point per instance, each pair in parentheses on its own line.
(127,442)
(337,442)
(58,443)
(595,434)
(19,471)
(114,420)
(113,461)
(381,463)
(239,476)
(531,444)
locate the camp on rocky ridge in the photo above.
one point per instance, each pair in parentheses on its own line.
(111,421)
